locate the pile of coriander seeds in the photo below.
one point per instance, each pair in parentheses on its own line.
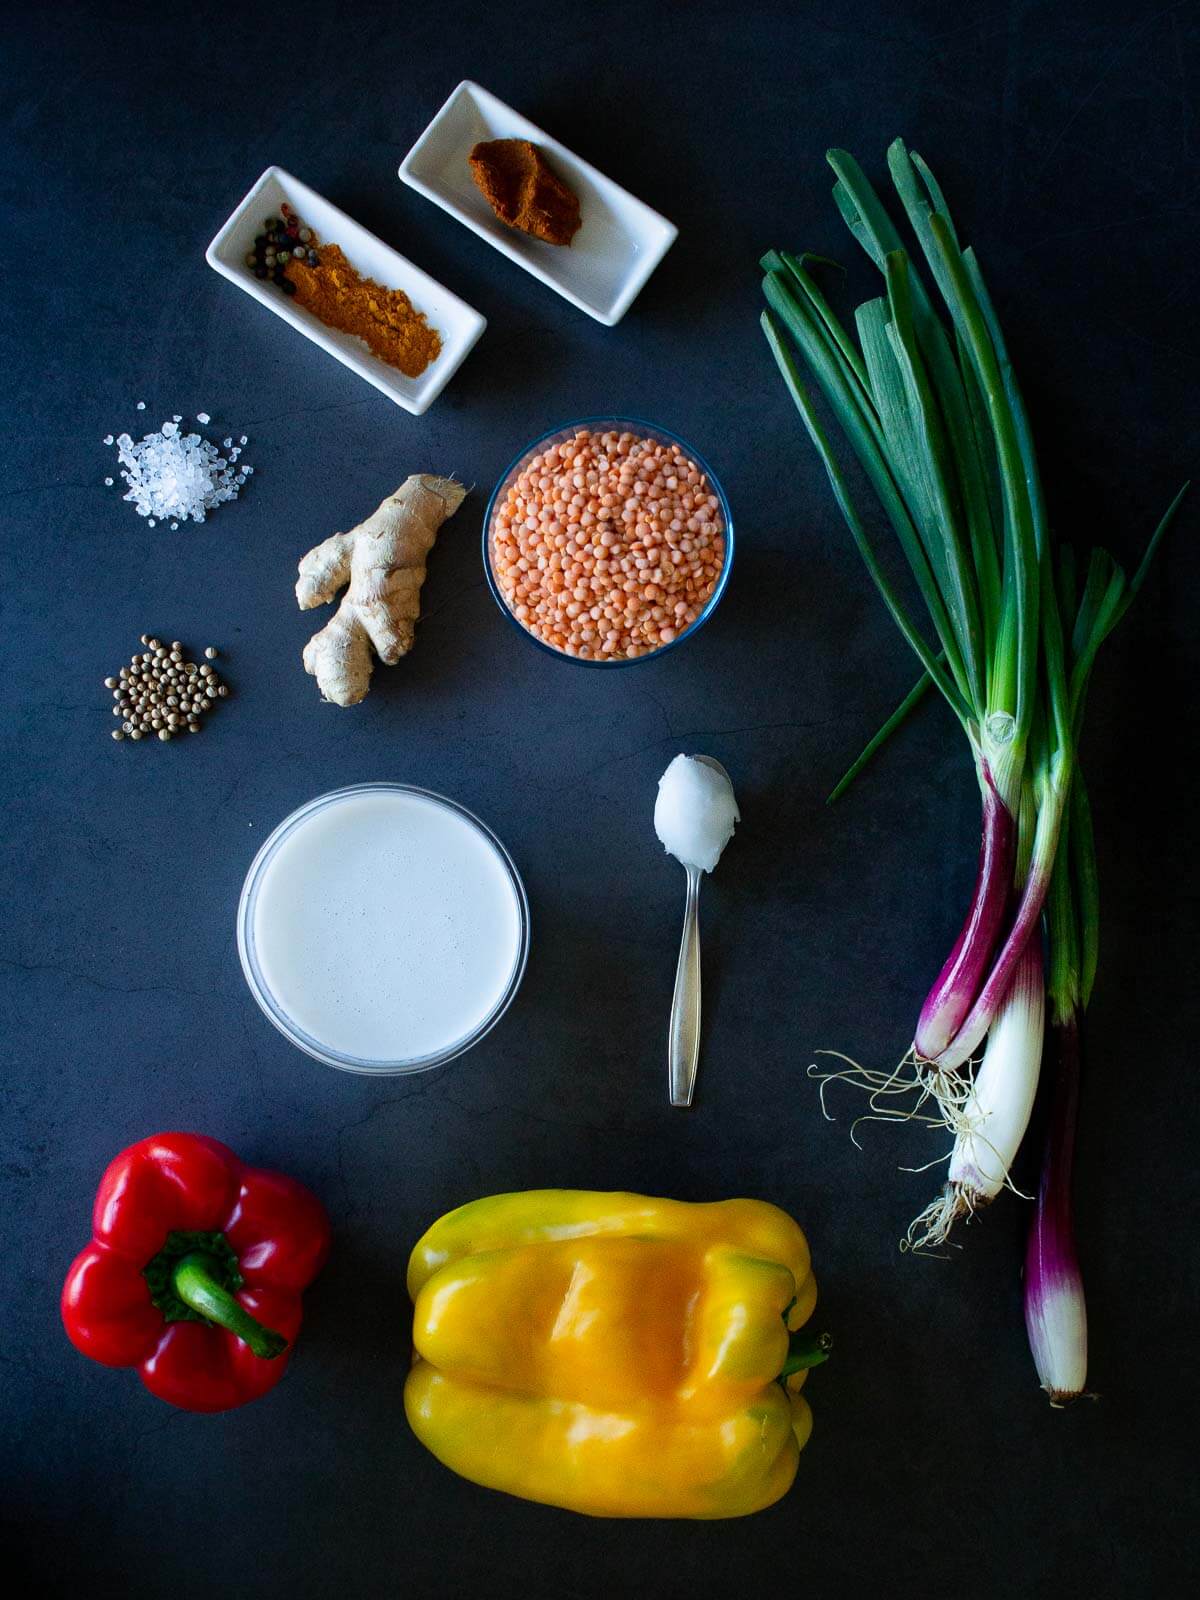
(162,692)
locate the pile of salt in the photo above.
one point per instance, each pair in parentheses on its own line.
(178,475)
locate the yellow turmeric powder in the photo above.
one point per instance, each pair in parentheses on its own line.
(386,319)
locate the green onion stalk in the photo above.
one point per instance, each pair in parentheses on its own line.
(1054,1303)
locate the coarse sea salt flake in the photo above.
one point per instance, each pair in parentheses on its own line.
(203,416)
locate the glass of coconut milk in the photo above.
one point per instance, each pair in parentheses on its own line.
(383,928)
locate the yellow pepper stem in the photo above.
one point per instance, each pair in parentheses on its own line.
(806,1349)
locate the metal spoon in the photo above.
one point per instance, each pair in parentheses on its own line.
(683,1040)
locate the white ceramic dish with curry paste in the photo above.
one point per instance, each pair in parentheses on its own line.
(620,240)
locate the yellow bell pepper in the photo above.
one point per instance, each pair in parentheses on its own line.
(614,1354)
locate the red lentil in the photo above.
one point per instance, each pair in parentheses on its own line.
(608,546)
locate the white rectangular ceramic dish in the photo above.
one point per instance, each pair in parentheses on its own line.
(620,240)
(458,323)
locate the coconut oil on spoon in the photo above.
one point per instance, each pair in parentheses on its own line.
(694,817)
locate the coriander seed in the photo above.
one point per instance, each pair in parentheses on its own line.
(162,692)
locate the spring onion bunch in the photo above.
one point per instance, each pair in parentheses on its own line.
(931,410)
(928,405)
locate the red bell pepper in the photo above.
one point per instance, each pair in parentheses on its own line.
(195,1271)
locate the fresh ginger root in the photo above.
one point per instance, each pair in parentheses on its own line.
(383,559)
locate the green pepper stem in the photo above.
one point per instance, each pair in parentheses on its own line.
(806,1349)
(196,1280)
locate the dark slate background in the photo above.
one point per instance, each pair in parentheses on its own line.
(1066,137)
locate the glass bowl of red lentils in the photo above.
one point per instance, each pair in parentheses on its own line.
(608,541)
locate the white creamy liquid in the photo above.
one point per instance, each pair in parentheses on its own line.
(386,926)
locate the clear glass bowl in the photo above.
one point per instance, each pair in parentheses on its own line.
(644,430)
(287,1025)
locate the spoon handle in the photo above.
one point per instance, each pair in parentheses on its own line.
(683,1044)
